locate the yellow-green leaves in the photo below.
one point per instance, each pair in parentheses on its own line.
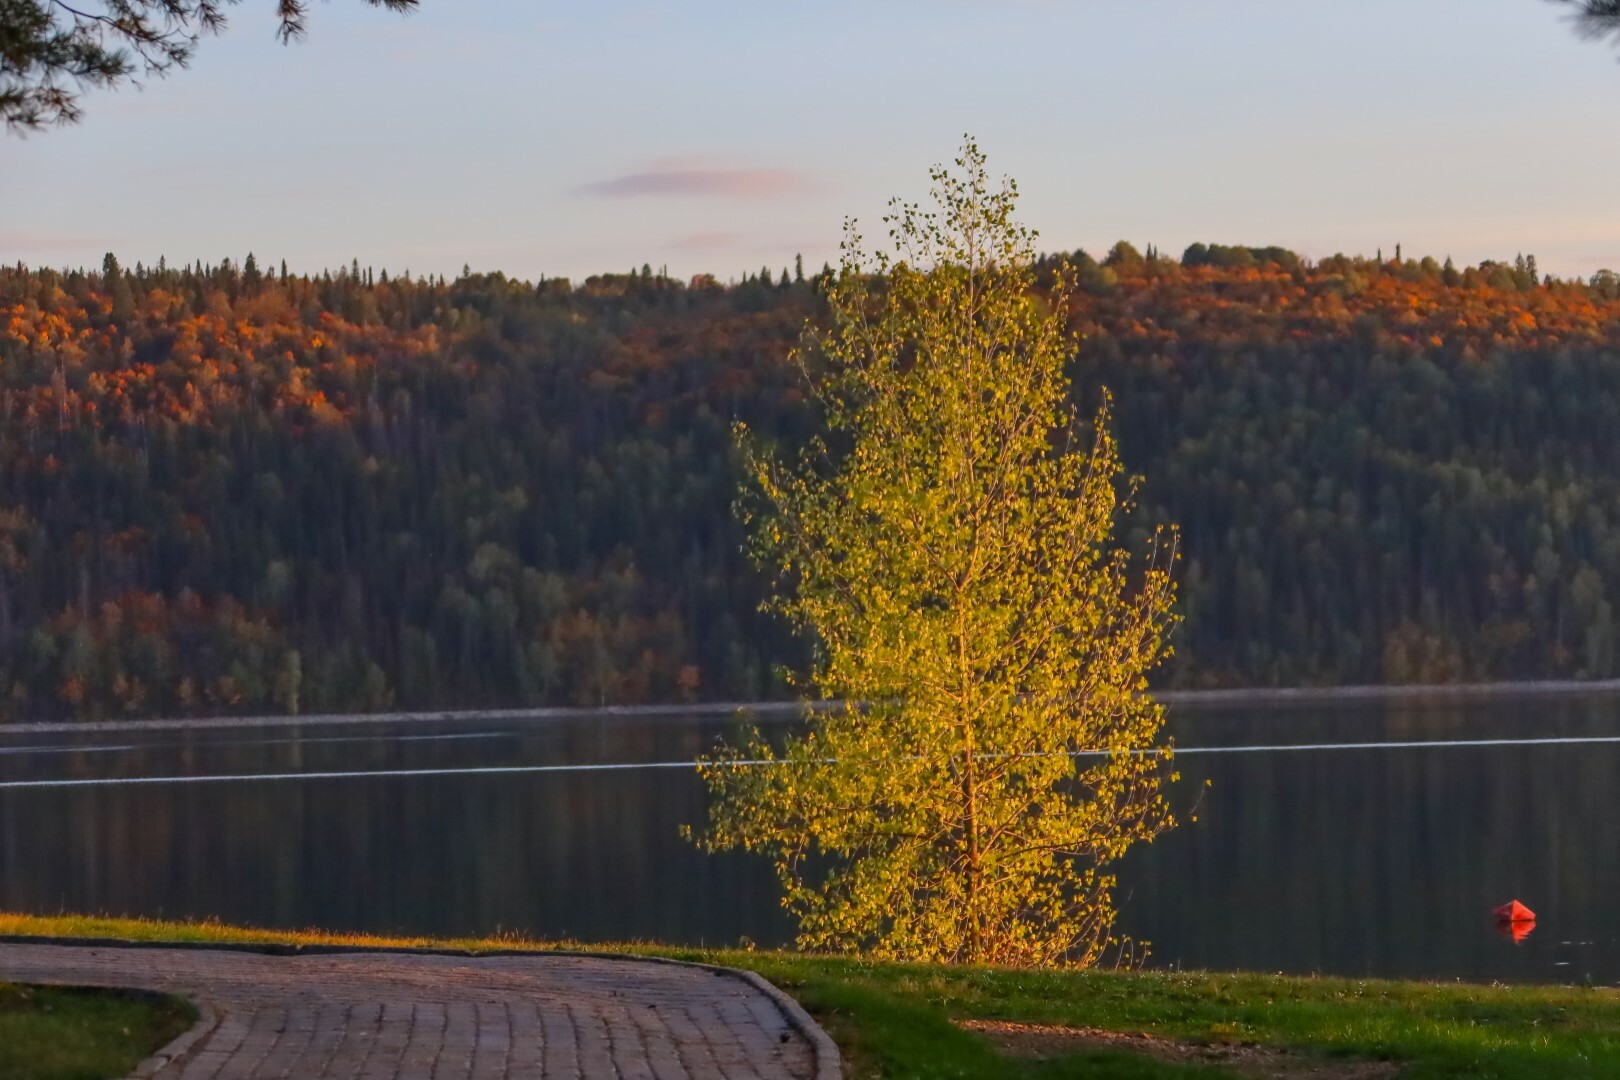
(949,550)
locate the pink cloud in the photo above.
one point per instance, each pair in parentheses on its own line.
(705,241)
(29,240)
(701,178)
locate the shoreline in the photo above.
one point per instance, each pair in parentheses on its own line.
(1420,695)
(1416,693)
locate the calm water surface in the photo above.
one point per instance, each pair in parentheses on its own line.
(1374,858)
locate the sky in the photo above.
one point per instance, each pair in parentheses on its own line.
(564,139)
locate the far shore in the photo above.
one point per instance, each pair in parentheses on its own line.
(1243,697)
(1418,693)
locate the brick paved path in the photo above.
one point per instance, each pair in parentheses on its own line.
(426,1017)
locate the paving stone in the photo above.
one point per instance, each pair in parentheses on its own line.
(400,1016)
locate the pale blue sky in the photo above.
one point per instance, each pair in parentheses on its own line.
(569,138)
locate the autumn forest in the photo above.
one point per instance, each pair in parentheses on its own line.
(230,490)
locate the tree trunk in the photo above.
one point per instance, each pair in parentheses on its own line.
(971,825)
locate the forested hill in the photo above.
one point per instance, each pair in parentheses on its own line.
(224,490)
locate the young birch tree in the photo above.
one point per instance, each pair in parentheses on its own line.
(948,549)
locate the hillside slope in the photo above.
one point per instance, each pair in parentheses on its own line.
(227,491)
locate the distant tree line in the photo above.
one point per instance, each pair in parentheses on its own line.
(229,489)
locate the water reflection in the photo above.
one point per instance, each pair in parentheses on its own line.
(1354,860)
(1517,930)
(1380,862)
(586,855)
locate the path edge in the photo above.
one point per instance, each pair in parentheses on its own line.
(829,1062)
(176,1049)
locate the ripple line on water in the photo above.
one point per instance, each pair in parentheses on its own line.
(231,744)
(1265,748)
(10,751)
(355,774)
(630,766)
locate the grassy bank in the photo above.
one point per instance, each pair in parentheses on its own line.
(902,1020)
(52,1033)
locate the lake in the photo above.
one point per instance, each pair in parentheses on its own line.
(1359,839)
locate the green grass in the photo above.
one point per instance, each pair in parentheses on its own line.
(894,1020)
(56,1033)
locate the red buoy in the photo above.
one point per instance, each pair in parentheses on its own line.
(1514,912)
